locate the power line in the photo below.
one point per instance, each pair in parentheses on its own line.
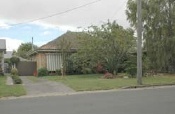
(118,9)
(56,14)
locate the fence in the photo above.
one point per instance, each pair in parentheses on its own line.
(26,68)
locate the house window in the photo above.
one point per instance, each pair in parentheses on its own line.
(53,61)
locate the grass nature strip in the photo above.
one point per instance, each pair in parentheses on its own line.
(10,90)
(95,82)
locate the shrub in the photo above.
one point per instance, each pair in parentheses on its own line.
(58,71)
(16,79)
(131,71)
(99,68)
(131,66)
(43,72)
(109,76)
(14,71)
(86,71)
(1,72)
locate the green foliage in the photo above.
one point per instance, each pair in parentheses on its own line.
(148,67)
(132,71)
(58,72)
(86,71)
(14,60)
(24,48)
(16,79)
(14,72)
(7,60)
(107,44)
(0,56)
(158,31)
(43,72)
(99,68)
(131,65)
(1,72)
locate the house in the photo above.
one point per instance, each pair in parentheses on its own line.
(7,56)
(51,55)
(2,52)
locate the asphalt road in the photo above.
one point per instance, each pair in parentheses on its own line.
(149,101)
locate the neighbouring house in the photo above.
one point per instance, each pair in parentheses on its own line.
(7,55)
(50,55)
(2,52)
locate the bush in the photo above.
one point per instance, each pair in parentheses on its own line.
(1,72)
(109,76)
(16,79)
(99,68)
(86,71)
(131,66)
(58,71)
(131,71)
(14,71)
(43,72)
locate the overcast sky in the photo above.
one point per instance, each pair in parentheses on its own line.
(22,11)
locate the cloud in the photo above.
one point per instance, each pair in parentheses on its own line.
(46,33)
(40,43)
(11,43)
(3,25)
(45,25)
(65,28)
(86,16)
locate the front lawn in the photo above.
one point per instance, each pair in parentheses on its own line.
(10,90)
(95,82)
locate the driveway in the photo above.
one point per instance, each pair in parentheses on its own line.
(43,87)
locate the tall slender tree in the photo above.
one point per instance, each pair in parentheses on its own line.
(158,31)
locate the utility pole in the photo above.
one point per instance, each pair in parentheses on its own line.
(139,42)
(32,44)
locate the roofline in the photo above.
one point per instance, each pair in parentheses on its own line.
(30,53)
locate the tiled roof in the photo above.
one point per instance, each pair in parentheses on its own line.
(69,37)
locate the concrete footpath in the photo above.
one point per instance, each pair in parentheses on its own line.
(9,80)
(43,87)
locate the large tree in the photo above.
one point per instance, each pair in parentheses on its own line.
(24,48)
(158,31)
(107,45)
